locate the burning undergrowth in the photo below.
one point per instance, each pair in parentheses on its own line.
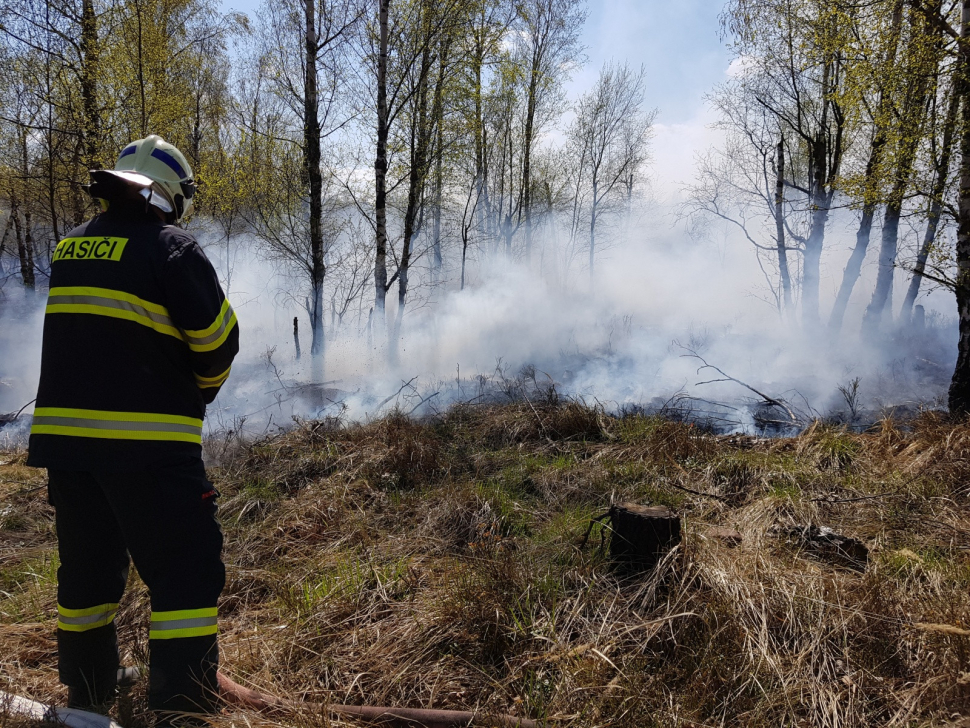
(439,563)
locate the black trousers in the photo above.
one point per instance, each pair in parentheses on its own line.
(165,519)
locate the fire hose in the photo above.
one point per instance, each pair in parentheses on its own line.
(234,694)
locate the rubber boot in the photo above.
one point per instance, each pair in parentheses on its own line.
(102,698)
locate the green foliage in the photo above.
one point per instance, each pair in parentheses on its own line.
(138,68)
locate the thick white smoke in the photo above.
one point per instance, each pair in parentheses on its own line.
(625,343)
(21,326)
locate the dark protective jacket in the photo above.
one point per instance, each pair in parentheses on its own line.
(138,338)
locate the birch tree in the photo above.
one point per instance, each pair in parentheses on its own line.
(307,108)
(610,135)
(797,52)
(549,40)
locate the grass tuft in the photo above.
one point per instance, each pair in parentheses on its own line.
(438,564)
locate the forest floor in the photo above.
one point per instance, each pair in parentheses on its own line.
(440,564)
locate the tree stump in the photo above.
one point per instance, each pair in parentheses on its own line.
(641,534)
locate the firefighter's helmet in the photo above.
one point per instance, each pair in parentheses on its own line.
(166,167)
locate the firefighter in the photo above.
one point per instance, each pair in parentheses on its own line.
(138,338)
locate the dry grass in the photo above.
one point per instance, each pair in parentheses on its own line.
(437,564)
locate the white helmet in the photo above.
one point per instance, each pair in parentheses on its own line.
(173,187)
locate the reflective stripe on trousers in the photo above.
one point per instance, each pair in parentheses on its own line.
(184,623)
(81,620)
(115,425)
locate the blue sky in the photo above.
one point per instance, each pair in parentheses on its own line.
(678,43)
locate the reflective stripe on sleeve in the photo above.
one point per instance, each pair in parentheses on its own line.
(217,381)
(81,620)
(115,425)
(215,334)
(184,623)
(115,304)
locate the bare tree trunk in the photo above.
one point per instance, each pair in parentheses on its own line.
(592,235)
(141,72)
(417,176)
(3,241)
(481,170)
(936,208)
(508,229)
(826,154)
(780,226)
(438,120)
(24,244)
(530,115)
(853,268)
(436,259)
(89,88)
(311,152)
(883,292)
(464,256)
(811,261)
(911,122)
(380,170)
(959,395)
(370,330)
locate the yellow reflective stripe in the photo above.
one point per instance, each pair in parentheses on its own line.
(116,435)
(114,313)
(114,304)
(82,620)
(184,623)
(118,416)
(214,335)
(214,326)
(172,634)
(207,382)
(185,614)
(116,425)
(62,625)
(65,612)
(108,293)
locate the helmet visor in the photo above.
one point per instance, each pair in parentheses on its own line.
(133,177)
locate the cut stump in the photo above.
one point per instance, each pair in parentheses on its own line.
(641,534)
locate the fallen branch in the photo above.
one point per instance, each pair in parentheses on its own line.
(8,418)
(769,400)
(430,396)
(234,694)
(403,387)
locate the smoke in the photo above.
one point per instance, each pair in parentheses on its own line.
(21,327)
(668,323)
(663,312)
